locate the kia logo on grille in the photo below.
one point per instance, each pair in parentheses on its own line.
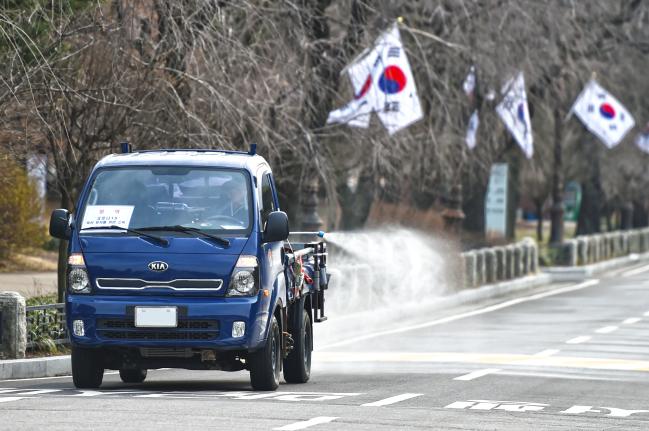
(158,266)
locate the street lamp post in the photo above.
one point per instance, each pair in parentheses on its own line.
(311,221)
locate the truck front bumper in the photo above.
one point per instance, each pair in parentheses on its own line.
(205,323)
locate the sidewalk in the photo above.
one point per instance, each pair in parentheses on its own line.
(35,367)
(29,284)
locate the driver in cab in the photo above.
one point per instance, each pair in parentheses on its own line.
(237,205)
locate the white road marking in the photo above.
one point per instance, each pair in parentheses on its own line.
(55,377)
(547,353)
(306,424)
(9,399)
(391,400)
(275,396)
(455,317)
(579,340)
(477,374)
(646,314)
(607,329)
(36,378)
(636,271)
(632,320)
(510,406)
(37,392)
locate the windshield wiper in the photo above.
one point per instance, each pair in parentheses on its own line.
(158,239)
(185,229)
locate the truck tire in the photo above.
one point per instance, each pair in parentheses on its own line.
(297,365)
(265,363)
(133,376)
(87,370)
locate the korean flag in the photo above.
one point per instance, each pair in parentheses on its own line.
(513,111)
(603,114)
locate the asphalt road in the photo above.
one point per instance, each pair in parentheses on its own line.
(573,357)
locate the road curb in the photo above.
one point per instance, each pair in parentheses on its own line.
(576,273)
(35,367)
(501,289)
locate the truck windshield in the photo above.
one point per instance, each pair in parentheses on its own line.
(209,199)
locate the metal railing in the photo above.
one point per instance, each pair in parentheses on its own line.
(46,326)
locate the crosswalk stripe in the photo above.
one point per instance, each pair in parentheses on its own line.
(306,424)
(477,374)
(607,329)
(579,340)
(9,399)
(391,400)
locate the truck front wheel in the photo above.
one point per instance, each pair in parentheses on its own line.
(297,365)
(265,363)
(87,370)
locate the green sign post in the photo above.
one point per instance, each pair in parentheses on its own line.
(572,201)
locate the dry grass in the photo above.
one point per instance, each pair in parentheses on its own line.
(30,260)
(383,213)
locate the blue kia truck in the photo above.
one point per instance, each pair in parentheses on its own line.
(180,259)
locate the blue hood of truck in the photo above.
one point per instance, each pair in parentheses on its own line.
(119,264)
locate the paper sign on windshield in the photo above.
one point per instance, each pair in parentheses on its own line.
(107,215)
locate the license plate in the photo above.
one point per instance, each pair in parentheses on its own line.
(156,317)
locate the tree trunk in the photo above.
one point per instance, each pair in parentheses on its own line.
(539,220)
(62,263)
(609,219)
(592,195)
(513,192)
(355,204)
(556,213)
(589,210)
(473,206)
(325,67)
(640,215)
(626,216)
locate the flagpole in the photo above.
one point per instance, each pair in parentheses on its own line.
(432,36)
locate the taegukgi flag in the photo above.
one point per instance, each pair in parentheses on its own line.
(383,83)
(468,86)
(469,82)
(514,112)
(602,114)
(642,141)
(472,130)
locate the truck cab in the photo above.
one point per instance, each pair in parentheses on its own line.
(177,259)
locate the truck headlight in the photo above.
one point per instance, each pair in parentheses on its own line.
(78,281)
(244,279)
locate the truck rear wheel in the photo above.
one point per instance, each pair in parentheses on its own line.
(297,365)
(87,370)
(133,376)
(265,363)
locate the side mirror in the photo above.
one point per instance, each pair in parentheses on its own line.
(276,227)
(59,224)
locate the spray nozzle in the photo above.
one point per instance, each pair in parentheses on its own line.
(319,234)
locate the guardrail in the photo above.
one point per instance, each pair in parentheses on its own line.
(588,249)
(495,264)
(46,326)
(22,329)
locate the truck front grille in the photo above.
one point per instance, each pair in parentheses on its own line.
(211,285)
(187,330)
